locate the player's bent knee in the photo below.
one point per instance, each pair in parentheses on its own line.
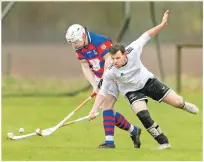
(145,118)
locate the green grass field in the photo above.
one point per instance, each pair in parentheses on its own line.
(78,141)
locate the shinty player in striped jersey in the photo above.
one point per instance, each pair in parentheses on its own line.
(135,82)
(92,50)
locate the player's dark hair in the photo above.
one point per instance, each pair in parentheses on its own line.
(117,47)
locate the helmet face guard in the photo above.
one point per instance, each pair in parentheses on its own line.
(75,36)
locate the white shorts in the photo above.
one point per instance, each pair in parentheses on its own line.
(113,90)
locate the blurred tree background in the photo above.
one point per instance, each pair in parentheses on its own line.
(47,22)
(35,52)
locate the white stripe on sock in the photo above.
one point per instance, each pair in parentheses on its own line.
(131,128)
(109,138)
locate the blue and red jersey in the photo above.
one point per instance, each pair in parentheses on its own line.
(95,52)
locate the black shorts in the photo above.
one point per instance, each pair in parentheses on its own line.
(153,88)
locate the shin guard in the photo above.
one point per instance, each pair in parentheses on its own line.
(152,127)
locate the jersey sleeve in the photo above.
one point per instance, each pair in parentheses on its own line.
(142,40)
(139,43)
(80,57)
(103,48)
(107,81)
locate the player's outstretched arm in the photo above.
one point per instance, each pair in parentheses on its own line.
(155,30)
(145,37)
(107,81)
(97,103)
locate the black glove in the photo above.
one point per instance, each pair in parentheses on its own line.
(100,83)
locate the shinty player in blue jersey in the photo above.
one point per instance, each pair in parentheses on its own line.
(92,50)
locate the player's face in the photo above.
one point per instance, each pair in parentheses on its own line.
(77,44)
(119,59)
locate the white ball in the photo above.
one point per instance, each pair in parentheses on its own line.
(21,130)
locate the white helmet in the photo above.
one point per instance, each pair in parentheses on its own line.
(74,33)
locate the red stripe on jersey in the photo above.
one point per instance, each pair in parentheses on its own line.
(79,56)
(104,46)
(99,76)
(89,48)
